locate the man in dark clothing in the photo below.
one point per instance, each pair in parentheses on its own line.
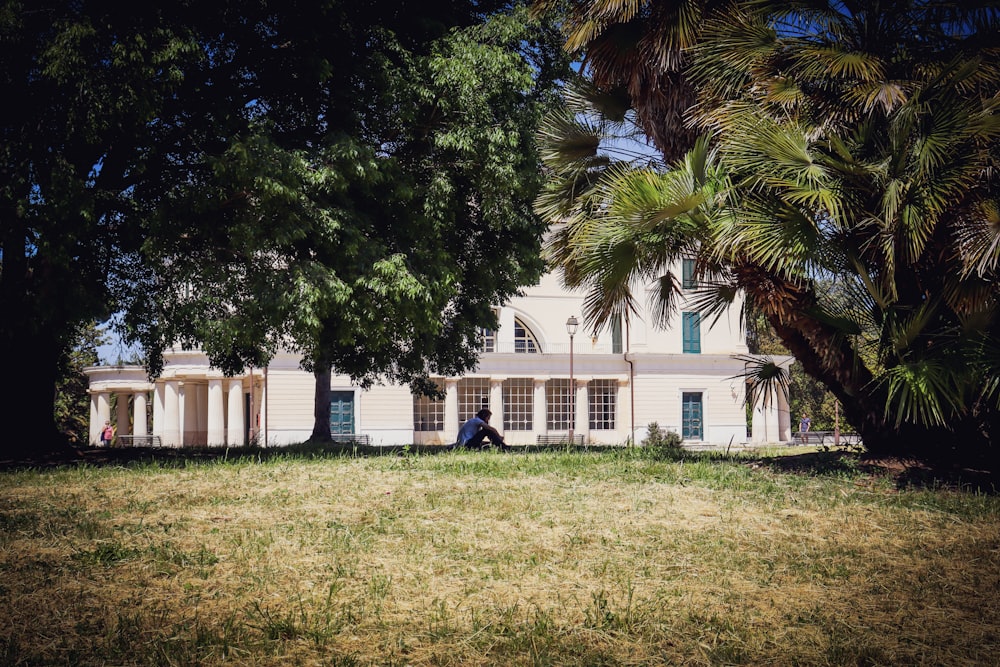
(477,429)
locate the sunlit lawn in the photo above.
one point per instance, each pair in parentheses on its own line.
(548,558)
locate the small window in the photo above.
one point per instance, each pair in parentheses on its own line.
(616,336)
(691,323)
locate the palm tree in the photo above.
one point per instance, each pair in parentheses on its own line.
(840,141)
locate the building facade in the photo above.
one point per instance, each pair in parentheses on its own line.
(540,382)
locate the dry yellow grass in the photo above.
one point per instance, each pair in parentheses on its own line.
(486,559)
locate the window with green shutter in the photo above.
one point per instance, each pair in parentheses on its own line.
(691,323)
(688,281)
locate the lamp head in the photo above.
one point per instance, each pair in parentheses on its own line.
(571,325)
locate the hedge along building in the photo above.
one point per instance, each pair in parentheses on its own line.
(540,382)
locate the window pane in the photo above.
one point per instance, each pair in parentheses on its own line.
(558,406)
(616,336)
(524,340)
(488,339)
(473,396)
(518,404)
(603,404)
(428,413)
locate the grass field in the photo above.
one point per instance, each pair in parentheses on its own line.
(548,558)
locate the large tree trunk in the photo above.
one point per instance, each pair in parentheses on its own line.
(321,406)
(30,366)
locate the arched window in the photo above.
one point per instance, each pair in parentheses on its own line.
(524,340)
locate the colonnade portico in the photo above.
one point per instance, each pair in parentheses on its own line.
(199,411)
(202,409)
(100,409)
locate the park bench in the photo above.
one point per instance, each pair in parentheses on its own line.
(139,441)
(559,439)
(824,438)
(351,439)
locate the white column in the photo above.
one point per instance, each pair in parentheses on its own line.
(539,408)
(139,413)
(772,418)
(757,431)
(234,432)
(582,426)
(122,415)
(197,413)
(496,403)
(623,412)
(784,418)
(764,423)
(171,414)
(159,409)
(259,419)
(216,414)
(182,413)
(103,411)
(95,420)
(451,410)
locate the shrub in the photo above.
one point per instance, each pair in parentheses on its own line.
(657,438)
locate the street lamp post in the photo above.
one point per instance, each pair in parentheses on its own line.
(571,325)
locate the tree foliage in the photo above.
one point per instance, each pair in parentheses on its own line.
(837,141)
(245,176)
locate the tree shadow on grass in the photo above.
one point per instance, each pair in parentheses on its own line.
(181,456)
(905,473)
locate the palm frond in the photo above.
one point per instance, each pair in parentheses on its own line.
(765,378)
(922,392)
(978,237)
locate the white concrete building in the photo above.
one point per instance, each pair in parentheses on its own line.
(606,389)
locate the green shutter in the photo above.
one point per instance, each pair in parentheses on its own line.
(341,412)
(691,422)
(691,333)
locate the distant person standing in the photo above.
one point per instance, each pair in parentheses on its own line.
(107,434)
(804,424)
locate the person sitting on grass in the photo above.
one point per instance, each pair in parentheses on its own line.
(477,429)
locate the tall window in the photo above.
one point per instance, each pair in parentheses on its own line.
(688,281)
(428,413)
(518,404)
(691,333)
(473,396)
(559,407)
(603,404)
(616,336)
(524,340)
